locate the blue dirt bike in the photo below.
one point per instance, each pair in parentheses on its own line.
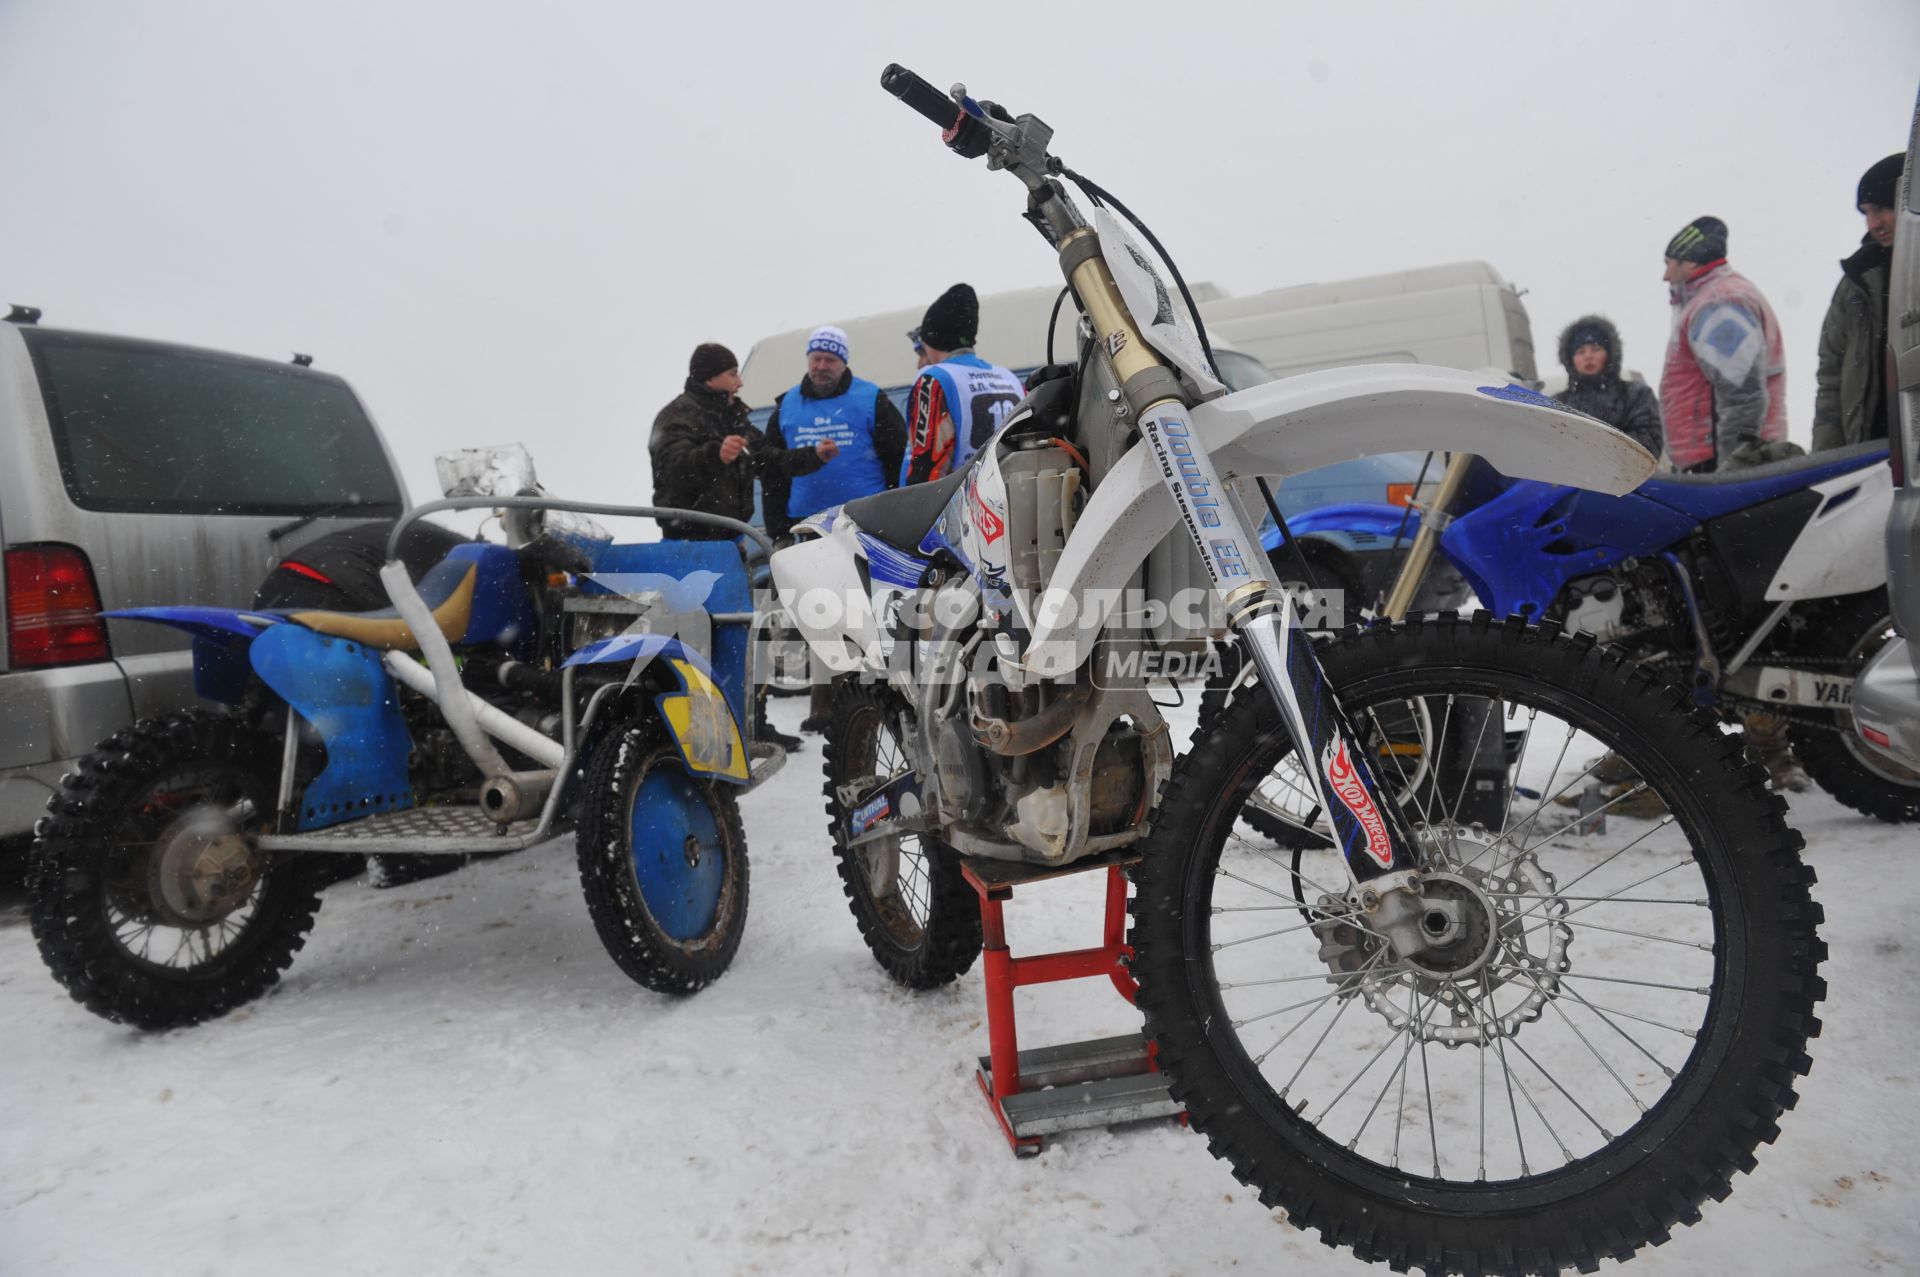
(1761,589)
(562,681)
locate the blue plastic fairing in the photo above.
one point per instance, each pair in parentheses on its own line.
(346,693)
(713,577)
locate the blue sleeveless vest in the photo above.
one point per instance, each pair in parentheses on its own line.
(847,419)
(979,396)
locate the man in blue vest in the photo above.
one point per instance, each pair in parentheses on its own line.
(959,399)
(831,404)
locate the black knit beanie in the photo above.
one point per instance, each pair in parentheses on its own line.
(1702,240)
(710,359)
(953,321)
(1881,183)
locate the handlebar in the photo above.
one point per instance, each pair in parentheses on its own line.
(920,95)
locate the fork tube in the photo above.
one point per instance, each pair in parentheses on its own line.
(1434,519)
(1368,827)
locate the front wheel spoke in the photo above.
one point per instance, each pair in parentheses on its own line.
(1345,1006)
(1612,979)
(1606,1014)
(1399,1073)
(1451,813)
(1618,931)
(1602,900)
(1594,1051)
(1585,874)
(1490,1027)
(1605,1134)
(1426,815)
(1545,797)
(1597,812)
(1354,1080)
(1320,920)
(1345,984)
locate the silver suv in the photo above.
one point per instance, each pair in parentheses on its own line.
(1886,698)
(133,474)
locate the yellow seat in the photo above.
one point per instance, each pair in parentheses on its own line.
(384,631)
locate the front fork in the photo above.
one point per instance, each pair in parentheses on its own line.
(1378,846)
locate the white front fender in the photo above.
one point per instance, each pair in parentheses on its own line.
(1302,423)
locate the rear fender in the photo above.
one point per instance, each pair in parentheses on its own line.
(221,637)
(821,586)
(1300,423)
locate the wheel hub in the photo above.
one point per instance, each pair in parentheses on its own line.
(202,869)
(1492,929)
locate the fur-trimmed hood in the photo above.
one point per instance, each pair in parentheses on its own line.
(1590,327)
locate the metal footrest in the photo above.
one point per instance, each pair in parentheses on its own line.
(1080,1086)
(443,830)
(766,758)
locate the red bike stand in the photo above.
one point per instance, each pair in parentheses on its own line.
(1080,1085)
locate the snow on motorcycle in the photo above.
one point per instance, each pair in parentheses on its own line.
(560,681)
(1472,1046)
(1762,589)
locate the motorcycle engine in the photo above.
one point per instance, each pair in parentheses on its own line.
(1595,605)
(1631,600)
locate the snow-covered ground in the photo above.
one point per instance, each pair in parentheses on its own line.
(453,1078)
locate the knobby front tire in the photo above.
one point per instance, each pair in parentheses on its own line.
(1612,1034)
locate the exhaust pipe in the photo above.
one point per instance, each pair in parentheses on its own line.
(516,795)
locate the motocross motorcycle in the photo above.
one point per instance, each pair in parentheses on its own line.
(1462,1046)
(560,681)
(1760,589)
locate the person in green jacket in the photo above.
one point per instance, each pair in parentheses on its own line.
(1850,404)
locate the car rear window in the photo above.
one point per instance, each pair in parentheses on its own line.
(167,430)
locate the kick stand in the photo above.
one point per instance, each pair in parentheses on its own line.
(1083,1084)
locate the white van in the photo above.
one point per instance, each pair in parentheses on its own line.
(1459,315)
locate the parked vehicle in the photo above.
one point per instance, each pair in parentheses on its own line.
(1886,699)
(1761,589)
(977,717)
(138,472)
(567,682)
(1458,315)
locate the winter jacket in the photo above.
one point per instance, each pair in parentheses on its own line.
(1725,381)
(688,472)
(1628,406)
(879,437)
(1850,399)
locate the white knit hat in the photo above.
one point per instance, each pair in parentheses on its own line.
(831,340)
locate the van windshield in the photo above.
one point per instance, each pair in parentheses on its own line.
(160,429)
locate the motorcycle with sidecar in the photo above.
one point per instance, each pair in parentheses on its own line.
(558,681)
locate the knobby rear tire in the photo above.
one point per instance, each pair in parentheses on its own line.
(925,933)
(112,811)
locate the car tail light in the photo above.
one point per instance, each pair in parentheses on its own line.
(52,608)
(1401,493)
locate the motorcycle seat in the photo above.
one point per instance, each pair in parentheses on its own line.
(1706,496)
(902,517)
(447,589)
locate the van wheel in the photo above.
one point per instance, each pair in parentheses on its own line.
(147,893)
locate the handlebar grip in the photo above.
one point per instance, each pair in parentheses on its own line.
(919,95)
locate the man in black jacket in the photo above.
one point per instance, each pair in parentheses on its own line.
(706,454)
(1597,384)
(1850,404)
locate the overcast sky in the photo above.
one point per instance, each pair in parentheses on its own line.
(513,222)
